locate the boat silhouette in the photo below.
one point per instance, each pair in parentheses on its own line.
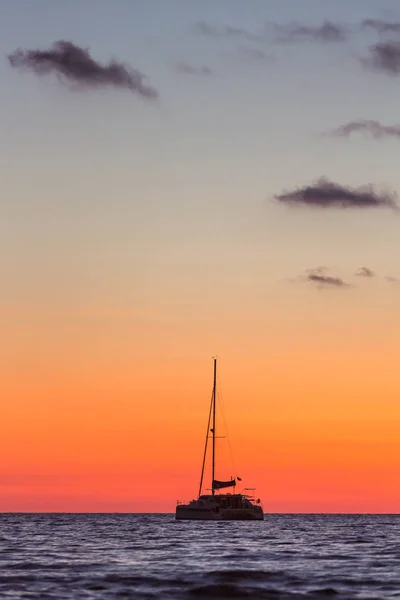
(219,506)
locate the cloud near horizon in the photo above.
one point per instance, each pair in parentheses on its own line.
(364,272)
(321,277)
(384,57)
(326,194)
(392,279)
(374,128)
(75,65)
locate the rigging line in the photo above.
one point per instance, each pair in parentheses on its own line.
(205,447)
(220,399)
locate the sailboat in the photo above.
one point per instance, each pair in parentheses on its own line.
(219,506)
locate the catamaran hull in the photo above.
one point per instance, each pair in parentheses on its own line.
(195,514)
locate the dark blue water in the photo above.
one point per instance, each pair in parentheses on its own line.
(291,557)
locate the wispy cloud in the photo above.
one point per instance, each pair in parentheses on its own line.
(326,194)
(326,32)
(188,69)
(226,31)
(381,26)
(383,57)
(321,277)
(364,272)
(255,54)
(290,32)
(373,128)
(75,65)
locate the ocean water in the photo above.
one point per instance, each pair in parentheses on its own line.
(285,557)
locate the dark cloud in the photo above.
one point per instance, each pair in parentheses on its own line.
(326,194)
(392,279)
(384,57)
(327,32)
(374,128)
(381,26)
(188,69)
(321,277)
(364,272)
(75,65)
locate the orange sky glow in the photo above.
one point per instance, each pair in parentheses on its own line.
(313,425)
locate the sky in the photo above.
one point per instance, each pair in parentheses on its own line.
(227,186)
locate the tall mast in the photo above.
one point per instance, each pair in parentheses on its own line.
(205,446)
(213,424)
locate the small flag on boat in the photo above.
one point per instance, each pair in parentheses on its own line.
(239,478)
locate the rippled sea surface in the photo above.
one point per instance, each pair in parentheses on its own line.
(153,556)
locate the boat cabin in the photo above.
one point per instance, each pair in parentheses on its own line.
(224,500)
